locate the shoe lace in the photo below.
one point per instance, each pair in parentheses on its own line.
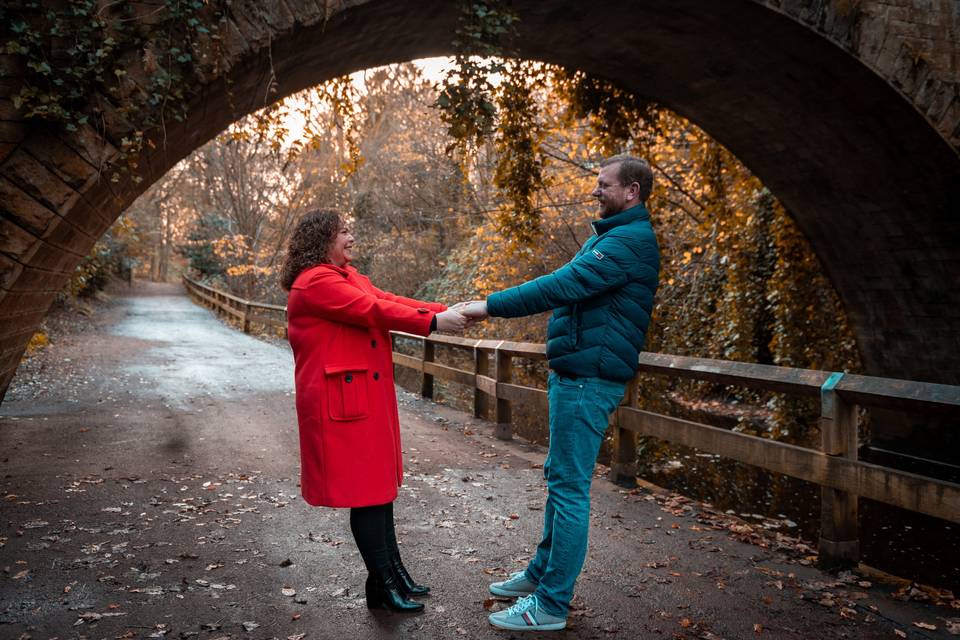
(522,605)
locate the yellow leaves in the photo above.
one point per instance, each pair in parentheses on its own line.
(37,342)
(234,246)
(249,269)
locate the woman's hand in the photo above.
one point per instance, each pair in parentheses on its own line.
(452,321)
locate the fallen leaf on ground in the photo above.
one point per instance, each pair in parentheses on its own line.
(925,625)
(287,591)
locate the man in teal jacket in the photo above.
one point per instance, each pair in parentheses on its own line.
(602,300)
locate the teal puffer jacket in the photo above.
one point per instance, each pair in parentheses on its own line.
(602,299)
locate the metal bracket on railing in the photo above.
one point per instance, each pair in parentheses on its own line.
(828,395)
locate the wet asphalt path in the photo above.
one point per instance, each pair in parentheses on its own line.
(149,489)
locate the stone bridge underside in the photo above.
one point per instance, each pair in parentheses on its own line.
(848,111)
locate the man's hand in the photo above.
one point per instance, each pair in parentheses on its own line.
(475,310)
(452,321)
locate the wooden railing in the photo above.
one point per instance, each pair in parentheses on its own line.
(246,312)
(835,467)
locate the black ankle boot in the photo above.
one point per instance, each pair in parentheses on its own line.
(383,592)
(404,579)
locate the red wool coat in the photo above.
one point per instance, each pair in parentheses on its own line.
(338,325)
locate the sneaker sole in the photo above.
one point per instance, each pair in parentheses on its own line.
(509,593)
(553,626)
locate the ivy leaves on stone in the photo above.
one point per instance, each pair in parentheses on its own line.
(76,59)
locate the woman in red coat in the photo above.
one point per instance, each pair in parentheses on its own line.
(338,325)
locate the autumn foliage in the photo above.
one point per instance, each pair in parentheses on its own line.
(452,222)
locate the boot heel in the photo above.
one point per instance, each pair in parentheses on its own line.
(383,593)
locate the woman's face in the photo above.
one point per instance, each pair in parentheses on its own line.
(341,251)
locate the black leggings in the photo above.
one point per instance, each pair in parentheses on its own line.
(375,535)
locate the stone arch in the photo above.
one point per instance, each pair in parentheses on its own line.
(848,110)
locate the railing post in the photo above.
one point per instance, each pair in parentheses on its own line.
(481,367)
(504,373)
(623,469)
(839,540)
(246,317)
(426,385)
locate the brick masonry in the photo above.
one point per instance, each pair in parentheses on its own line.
(848,109)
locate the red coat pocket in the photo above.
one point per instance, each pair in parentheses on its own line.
(347,395)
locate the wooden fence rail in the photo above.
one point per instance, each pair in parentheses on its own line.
(835,467)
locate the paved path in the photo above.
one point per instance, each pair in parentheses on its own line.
(149,489)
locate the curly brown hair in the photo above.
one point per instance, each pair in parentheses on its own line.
(309,244)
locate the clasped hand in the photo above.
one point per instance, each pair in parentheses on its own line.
(462,315)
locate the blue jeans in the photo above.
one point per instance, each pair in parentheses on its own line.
(579,412)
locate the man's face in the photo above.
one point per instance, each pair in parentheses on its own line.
(610,194)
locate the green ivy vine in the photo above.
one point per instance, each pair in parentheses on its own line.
(77,50)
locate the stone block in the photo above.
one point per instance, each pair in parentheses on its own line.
(933,97)
(9,325)
(20,206)
(69,238)
(69,166)
(92,147)
(235,46)
(17,337)
(32,280)
(12,131)
(307,12)
(18,302)
(10,270)
(7,369)
(872,36)
(38,181)
(91,219)
(910,72)
(7,110)
(885,63)
(949,123)
(55,260)
(115,124)
(13,347)
(15,241)
(259,22)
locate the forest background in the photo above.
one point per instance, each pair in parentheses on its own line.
(450,207)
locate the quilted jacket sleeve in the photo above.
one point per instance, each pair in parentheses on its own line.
(608,264)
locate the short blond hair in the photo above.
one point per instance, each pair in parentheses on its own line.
(633,169)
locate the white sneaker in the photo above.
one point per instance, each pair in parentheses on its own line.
(526,615)
(516,585)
